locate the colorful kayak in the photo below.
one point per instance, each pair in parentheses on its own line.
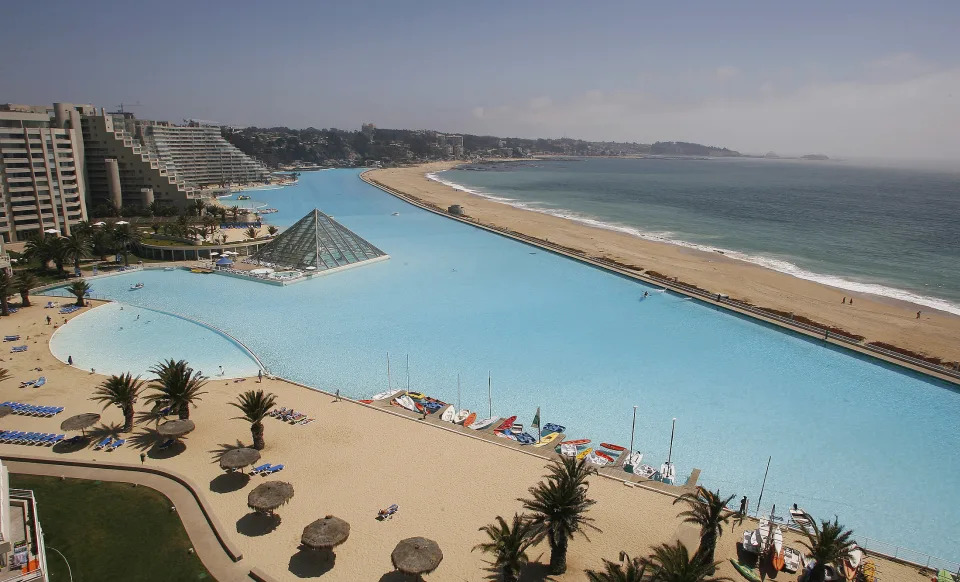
(505,434)
(549,438)
(583,453)
(470,419)
(416,395)
(551,427)
(525,438)
(603,456)
(777,561)
(365,401)
(506,424)
(577,442)
(483,423)
(610,447)
(746,571)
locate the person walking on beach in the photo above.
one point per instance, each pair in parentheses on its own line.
(48,320)
(851,301)
(918,315)
(743,507)
(70,360)
(337,395)
(221,370)
(259,376)
(844,301)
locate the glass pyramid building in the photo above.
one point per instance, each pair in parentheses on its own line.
(317,241)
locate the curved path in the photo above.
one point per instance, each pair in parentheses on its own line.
(205,540)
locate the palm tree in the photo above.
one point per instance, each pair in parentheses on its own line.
(628,570)
(674,564)
(101,242)
(707,510)
(272,230)
(6,286)
(176,386)
(198,206)
(123,237)
(59,253)
(252,232)
(23,282)
(235,211)
(508,545)
(558,505)
(828,544)
(255,405)
(75,247)
(121,391)
(39,248)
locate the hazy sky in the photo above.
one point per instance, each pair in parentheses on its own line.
(854,78)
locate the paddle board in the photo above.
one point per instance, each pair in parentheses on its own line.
(603,456)
(746,571)
(577,442)
(777,560)
(365,401)
(547,439)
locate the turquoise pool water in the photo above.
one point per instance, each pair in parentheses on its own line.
(868,442)
(117,338)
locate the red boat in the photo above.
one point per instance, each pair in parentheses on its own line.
(576,442)
(505,425)
(617,448)
(603,455)
(366,401)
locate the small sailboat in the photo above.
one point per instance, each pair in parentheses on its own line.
(668,473)
(633,461)
(384,395)
(396,214)
(777,558)
(483,423)
(461,416)
(448,414)
(137,286)
(406,402)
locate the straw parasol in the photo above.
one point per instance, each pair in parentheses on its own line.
(416,556)
(80,422)
(325,533)
(238,458)
(270,495)
(176,428)
(5,410)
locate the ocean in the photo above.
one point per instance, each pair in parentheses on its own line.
(890,231)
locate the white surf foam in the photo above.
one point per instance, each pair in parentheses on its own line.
(775,264)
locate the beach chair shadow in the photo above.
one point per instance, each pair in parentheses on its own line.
(155,416)
(256,524)
(229,482)
(149,440)
(308,563)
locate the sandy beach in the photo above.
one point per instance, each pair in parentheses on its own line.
(352,461)
(878,319)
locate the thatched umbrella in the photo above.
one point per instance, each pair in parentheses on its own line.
(325,533)
(5,410)
(238,458)
(270,495)
(176,428)
(416,556)
(80,422)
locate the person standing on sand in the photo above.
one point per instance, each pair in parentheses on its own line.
(844,301)
(851,301)
(259,376)
(70,360)
(48,320)
(918,315)
(743,506)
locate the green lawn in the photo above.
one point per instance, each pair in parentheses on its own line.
(110,531)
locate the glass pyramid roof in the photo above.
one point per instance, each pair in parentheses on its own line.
(317,240)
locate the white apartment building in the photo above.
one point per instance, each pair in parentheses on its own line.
(199,154)
(41,173)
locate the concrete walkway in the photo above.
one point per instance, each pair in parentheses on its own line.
(204,541)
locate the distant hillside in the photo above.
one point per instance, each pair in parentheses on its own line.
(682,148)
(814,157)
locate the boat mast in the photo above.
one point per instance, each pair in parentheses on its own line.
(408,372)
(389,384)
(759,499)
(490,392)
(672,428)
(458,390)
(634,429)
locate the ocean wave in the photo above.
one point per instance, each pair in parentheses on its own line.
(775,264)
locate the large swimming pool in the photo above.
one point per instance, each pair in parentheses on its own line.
(875,445)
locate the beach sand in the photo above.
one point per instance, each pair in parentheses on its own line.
(876,318)
(352,461)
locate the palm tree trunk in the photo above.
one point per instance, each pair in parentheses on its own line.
(510,575)
(79,302)
(25,298)
(126,259)
(558,554)
(256,429)
(708,545)
(4,306)
(128,418)
(184,412)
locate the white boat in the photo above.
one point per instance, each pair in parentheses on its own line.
(668,473)
(634,460)
(855,557)
(406,402)
(752,542)
(484,423)
(137,286)
(384,395)
(777,540)
(791,560)
(461,416)
(169,269)
(592,457)
(645,471)
(516,428)
(448,414)
(396,214)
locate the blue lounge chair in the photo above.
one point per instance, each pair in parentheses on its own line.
(40,382)
(105,442)
(272,470)
(260,469)
(116,445)
(18,349)
(26,383)
(11,338)
(57,439)
(166,444)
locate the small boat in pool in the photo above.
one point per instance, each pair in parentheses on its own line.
(546,439)
(460,416)
(471,418)
(603,455)
(584,453)
(169,269)
(384,395)
(633,461)
(137,286)
(668,473)
(524,438)
(610,447)
(396,214)
(448,414)
(416,395)
(645,471)
(506,424)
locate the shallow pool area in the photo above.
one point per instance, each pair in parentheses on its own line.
(868,442)
(117,338)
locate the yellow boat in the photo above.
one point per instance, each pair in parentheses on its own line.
(201,271)
(584,453)
(416,395)
(546,440)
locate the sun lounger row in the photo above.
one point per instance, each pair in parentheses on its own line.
(51,305)
(18,349)
(69,309)
(266,469)
(15,437)
(31,410)
(291,416)
(109,444)
(11,338)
